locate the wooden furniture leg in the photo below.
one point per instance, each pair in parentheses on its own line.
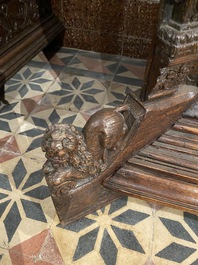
(118,151)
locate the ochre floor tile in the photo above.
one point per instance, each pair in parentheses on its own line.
(50,252)
(120,233)
(9,149)
(18,259)
(40,249)
(32,246)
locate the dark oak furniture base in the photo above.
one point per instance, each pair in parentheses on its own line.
(89,199)
(166,171)
(162,170)
(28,46)
(27,27)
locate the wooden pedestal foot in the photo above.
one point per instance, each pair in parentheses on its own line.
(73,205)
(80,164)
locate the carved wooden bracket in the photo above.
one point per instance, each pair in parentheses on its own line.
(79,162)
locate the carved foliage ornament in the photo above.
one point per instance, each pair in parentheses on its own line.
(171,77)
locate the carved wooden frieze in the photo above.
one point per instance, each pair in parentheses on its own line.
(177,44)
(171,77)
(18,15)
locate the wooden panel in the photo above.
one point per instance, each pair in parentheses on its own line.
(116,27)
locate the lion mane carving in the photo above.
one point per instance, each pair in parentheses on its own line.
(73,158)
(65,146)
(69,162)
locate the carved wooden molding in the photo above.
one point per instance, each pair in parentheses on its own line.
(166,171)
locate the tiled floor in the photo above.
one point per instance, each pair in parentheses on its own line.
(68,87)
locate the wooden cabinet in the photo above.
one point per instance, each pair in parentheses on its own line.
(26,27)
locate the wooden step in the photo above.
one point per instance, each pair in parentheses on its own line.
(167,170)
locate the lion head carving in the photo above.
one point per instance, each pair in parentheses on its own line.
(65,146)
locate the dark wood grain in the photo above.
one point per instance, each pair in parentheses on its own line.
(160,115)
(174,52)
(166,171)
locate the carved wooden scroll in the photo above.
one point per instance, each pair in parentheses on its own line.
(78,164)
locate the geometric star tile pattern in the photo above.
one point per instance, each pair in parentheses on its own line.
(23,196)
(77,93)
(113,232)
(69,85)
(28,82)
(178,242)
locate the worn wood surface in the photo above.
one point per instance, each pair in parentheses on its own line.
(83,201)
(174,53)
(77,187)
(166,171)
(160,115)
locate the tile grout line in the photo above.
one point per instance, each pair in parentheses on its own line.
(152,236)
